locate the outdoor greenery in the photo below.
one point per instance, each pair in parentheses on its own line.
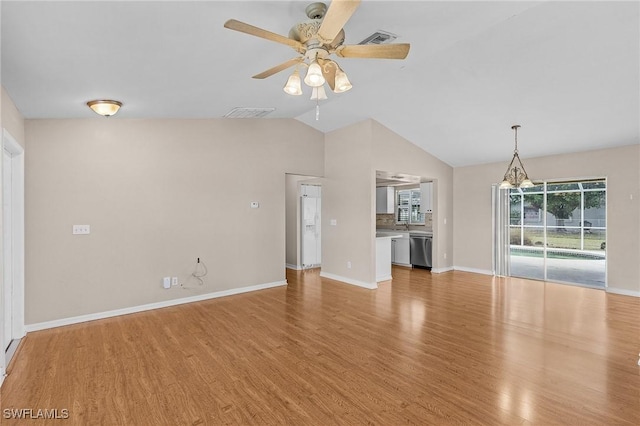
(562,204)
(535,238)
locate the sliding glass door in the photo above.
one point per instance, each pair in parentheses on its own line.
(557,232)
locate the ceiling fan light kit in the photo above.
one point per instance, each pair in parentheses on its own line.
(316,39)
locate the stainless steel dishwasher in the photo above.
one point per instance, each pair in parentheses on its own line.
(420,250)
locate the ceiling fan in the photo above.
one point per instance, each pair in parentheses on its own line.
(316,39)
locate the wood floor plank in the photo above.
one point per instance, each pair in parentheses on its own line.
(453,348)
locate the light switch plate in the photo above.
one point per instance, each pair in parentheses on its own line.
(81,229)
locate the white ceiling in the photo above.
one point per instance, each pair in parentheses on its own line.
(568,72)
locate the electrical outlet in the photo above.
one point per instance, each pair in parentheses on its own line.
(349,265)
(445,255)
(166,282)
(174,281)
(81,229)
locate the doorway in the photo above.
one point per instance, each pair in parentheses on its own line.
(296,187)
(12,288)
(310,229)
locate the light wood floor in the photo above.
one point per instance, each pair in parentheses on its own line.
(424,349)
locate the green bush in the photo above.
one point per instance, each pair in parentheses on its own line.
(515,239)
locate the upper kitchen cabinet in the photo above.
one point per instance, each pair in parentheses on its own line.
(426,197)
(385,199)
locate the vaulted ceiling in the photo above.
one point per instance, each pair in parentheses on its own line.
(568,72)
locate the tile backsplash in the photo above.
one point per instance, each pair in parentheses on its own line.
(389,221)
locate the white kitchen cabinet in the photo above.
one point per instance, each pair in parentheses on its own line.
(400,250)
(426,197)
(385,199)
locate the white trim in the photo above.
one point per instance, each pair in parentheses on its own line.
(441,270)
(384,278)
(150,306)
(623,291)
(294,267)
(12,146)
(371,286)
(474,270)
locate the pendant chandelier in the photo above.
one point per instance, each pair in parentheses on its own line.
(516,175)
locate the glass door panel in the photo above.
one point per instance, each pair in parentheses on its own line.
(558,232)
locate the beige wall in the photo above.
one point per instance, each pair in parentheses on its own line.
(157,194)
(393,153)
(621,167)
(348,196)
(11,118)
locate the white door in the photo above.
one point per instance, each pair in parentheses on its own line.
(7,241)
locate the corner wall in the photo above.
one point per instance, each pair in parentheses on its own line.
(348,197)
(157,194)
(621,167)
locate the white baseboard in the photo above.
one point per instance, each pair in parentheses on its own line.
(474,270)
(294,267)
(141,308)
(371,286)
(384,278)
(441,270)
(623,291)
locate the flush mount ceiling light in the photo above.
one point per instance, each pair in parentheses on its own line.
(104,107)
(316,39)
(516,175)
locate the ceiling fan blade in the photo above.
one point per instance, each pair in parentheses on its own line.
(380,51)
(232,24)
(337,15)
(278,68)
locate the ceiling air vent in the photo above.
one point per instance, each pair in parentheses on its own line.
(379,37)
(244,112)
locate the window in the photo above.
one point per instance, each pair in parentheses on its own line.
(408,207)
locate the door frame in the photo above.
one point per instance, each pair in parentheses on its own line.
(10,144)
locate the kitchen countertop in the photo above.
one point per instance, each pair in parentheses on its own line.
(396,233)
(388,235)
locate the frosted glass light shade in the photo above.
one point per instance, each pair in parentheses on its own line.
(506,185)
(104,107)
(342,83)
(318,93)
(293,86)
(314,76)
(526,183)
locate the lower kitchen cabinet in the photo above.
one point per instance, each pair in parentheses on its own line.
(400,251)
